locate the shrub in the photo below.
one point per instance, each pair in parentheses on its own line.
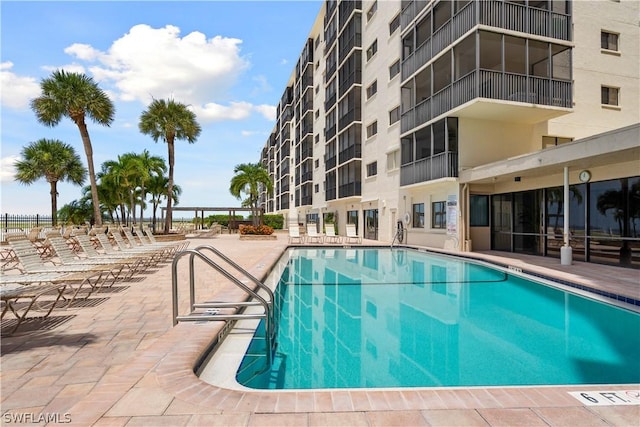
(253,229)
(275,221)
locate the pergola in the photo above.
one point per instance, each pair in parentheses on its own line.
(201,210)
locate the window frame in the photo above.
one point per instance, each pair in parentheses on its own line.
(372,169)
(372,129)
(417,215)
(610,35)
(608,97)
(394,113)
(439,215)
(372,50)
(372,89)
(394,69)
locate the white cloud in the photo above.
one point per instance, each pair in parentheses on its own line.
(16,91)
(248,133)
(149,63)
(268,111)
(212,112)
(7,168)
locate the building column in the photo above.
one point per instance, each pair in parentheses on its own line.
(566,252)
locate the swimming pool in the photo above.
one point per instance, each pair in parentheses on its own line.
(376,317)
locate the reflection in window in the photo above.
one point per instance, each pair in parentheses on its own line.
(439,215)
(418,215)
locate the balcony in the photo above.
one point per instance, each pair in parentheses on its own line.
(495,85)
(443,165)
(493,13)
(350,189)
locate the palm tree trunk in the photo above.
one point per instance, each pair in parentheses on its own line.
(54,203)
(142,197)
(88,149)
(168,219)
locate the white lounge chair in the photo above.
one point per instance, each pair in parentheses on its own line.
(294,234)
(352,235)
(330,234)
(313,235)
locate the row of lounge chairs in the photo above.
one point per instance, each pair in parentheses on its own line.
(329,236)
(76,265)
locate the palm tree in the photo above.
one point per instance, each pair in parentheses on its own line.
(250,178)
(53,160)
(157,187)
(168,121)
(153,166)
(76,96)
(123,175)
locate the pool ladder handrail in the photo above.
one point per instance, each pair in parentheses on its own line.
(254,300)
(399,236)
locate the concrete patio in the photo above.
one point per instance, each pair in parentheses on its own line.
(116,360)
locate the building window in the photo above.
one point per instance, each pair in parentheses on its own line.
(394,115)
(418,215)
(392,160)
(439,215)
(317,138)
(372,169)
(372,10)
(316,188)
(478,210)
(552,141)
(372,49)
(317,113)
(372,129)
(610,95)
(608,40)
(317,163)
(394,24)
(394,69)
(372,89)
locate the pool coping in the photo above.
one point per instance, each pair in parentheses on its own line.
(176,373)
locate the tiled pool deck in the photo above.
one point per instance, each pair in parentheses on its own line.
(119,362)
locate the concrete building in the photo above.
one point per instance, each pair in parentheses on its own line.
(466,124)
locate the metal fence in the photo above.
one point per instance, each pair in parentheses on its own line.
(12,223)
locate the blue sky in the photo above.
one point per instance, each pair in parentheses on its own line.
(229,60)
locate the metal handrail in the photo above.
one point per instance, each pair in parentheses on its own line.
(259,300)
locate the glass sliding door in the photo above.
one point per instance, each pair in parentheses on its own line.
(371,224)
(501,220)
(527,216)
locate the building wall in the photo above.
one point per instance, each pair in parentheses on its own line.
(593,67)
(489,131)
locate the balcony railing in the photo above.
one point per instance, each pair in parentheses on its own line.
(492,85)
(350,189)
(492,13)
(441,165)
(330,162)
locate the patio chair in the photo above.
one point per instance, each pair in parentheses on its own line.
(313,235)
(94,275)
(39,242)
(133,264)
(352,235)
(88,248)
(142,242)
(29,287)
(165,252)
(154,256)
(330,234)
(294,234)
(179,244)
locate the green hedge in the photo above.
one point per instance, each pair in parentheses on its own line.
(221,219)
(274,221)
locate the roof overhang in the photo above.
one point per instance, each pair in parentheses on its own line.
(617,146)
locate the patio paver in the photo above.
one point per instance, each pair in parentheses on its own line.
(120,362)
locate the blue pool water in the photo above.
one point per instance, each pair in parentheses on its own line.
(403,318)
